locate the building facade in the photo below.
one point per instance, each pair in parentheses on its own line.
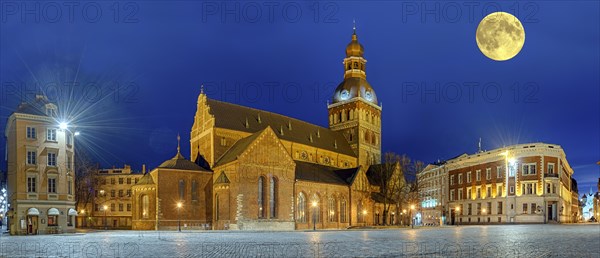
(40,154)
(525,183)
(433,188)
(110,205)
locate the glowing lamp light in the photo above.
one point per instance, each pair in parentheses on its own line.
(179,205)
(105,207)
(77,133)
(511,161)
(314,204)
(412,207)
(365,212)
(63,126)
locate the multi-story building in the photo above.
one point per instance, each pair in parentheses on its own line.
(40,151)
(433,187)
(524,183)
(111,203)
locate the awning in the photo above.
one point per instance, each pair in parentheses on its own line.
(33,212)
(53,212)
(72,212)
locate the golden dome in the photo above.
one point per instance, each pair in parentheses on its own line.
(354,48)
(354,87)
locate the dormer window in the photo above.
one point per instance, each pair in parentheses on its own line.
(51,110)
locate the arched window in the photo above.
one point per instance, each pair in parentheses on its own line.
(261,197)
(194,190)
(331,209)
(301,217)
(145,206)
(316,208)
(273,198)
(343,211)
(181,189)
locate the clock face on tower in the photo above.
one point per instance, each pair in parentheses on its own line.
(345,95)
(368,95)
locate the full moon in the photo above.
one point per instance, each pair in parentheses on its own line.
(500,36)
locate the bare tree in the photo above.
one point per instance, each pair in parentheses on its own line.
(85,180)
(390,180)
(401,196)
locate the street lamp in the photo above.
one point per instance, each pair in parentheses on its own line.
(105,208)
(457,214)
(314,205)
(412,223)
(178,216)
(365,216)
(82,212)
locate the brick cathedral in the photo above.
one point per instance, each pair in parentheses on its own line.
(251,169)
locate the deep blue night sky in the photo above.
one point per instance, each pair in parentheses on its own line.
(140,69)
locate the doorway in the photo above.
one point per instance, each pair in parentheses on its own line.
(32,225)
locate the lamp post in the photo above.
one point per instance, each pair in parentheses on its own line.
(178,216)
(412,223)
(314,205)
(105,208)
(365,216)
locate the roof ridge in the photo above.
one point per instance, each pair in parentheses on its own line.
(264,111)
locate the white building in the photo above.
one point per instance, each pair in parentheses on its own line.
(433,185)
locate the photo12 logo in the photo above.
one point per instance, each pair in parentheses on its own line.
(269,12)
(469,92)
(466,11)
(68,11)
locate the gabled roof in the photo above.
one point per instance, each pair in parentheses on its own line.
(222,179)
(237,149)
(146,180)
(240,118)
(324,174)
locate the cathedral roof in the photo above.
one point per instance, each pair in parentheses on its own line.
(179,162)
(324,174)
(245,119)
(236,149)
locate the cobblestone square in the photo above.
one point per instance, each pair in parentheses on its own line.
(463,241)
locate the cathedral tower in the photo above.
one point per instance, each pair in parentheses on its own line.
(354,109)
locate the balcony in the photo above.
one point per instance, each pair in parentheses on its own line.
(551,175)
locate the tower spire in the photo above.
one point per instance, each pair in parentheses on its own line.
(202,88)
(354,26)
(178,139)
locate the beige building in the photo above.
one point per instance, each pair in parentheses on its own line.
(40,155)
(524,183)
(110,206)
(433,188)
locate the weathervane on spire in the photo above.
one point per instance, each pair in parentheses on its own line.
(202,88)
(354,25)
